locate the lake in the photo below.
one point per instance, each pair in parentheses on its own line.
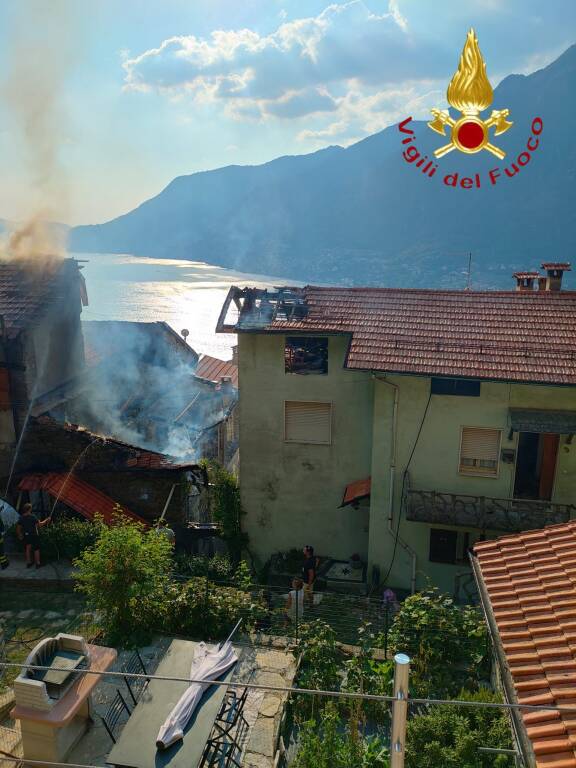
(186,294)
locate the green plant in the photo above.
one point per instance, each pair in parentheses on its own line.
(450,735)
(67,538)
(366,674)
(200,608)
(217,568)
(125,576)
(320,656)
(446,643)
(226,507)
(324,744)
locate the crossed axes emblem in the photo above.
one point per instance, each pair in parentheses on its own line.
(467,124)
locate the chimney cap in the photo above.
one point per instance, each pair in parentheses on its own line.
(526,275)
(565,266)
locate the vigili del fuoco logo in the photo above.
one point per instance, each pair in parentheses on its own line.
(470,93)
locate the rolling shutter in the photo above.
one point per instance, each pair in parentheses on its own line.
(307,422)
(480,451)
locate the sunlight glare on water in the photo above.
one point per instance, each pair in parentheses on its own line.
(185,294)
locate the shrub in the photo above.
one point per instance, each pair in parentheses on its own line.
(449,736)
(320,656)
(323,744)
(365,674)
(226,507)
(200,608)
(125,576)
(445,642)
(217,568)
(67,538)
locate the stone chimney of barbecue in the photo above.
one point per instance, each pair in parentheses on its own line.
(554,272)
(525,280)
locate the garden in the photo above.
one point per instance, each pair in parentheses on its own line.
(127,577)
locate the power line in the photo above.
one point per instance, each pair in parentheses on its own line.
(301,691)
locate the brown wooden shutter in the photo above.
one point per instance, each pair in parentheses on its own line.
(480,450)
(307,422)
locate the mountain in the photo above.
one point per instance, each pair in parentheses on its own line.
(363,215)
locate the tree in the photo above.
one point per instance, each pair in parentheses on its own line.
(125,576)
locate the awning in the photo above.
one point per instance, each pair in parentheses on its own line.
(356,491)
(535,420)
(80,496)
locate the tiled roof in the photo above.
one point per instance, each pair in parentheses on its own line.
(500,335)
(213,369)
(25,293)
(76,493)
(530,580)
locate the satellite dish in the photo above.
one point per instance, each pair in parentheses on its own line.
(184,333)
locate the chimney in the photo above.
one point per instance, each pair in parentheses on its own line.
(235,354)
(542,281)
(555,271)
(525,280)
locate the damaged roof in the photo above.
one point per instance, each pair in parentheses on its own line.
(153,342)
(528,586)
(132,456)
(27,293)
(494,335)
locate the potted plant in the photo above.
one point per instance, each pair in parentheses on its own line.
(355,561)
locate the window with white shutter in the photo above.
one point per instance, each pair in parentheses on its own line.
(306,422)
(480,451)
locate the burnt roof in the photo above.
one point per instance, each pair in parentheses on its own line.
(510,336)
(27,292)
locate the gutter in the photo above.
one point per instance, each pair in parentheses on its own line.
(506,680)
(390,520)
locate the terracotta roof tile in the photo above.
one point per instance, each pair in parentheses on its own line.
(213,369)
(535,611)
(499,335)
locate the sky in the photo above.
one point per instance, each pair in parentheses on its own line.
(104,102)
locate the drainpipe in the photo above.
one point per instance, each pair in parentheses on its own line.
(402,543)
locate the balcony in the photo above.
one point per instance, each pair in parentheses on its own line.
(483,512)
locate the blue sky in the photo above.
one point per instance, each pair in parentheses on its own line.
(105,101)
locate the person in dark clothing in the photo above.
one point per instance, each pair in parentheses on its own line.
(4,562)
(28,530)
(309,573)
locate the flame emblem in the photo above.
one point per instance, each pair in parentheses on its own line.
(470,93)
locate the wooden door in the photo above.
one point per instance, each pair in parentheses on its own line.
(549,445)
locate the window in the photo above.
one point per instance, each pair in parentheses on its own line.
(448,546)
(479,451)
(306,355)
(307,422)
(460,387)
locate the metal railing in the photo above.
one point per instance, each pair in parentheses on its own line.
(483,512)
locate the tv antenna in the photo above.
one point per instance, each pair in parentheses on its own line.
(469,273)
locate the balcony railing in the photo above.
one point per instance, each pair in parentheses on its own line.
(483,512)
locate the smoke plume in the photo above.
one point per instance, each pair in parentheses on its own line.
(43,45)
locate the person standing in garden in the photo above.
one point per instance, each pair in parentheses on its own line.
(28,530)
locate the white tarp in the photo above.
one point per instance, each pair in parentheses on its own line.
(8,514)
(206,665)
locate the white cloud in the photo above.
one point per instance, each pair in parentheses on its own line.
(344,41)
(339,65)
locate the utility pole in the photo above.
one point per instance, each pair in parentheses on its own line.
(399,711)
